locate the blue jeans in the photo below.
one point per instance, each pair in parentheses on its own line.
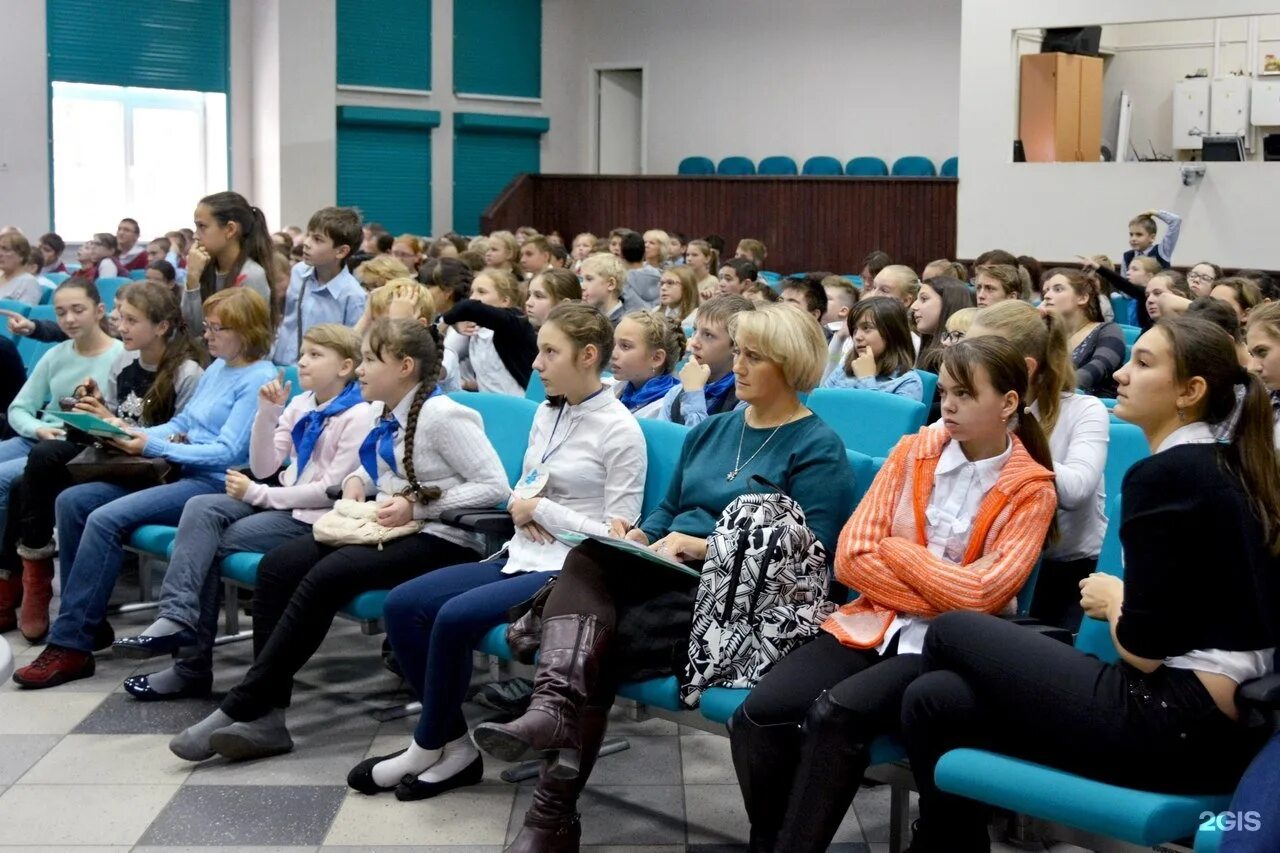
(1257,793)
(13,461)
(212,527)
(93,521)
(434,621)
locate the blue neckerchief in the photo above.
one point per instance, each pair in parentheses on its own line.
(306,432)
(657,387)
(717,391)
(381,441)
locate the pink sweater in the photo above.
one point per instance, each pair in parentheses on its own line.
(336,454)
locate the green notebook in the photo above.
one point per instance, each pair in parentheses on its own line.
(91,424)
(635,549)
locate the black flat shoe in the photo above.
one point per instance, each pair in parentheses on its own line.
(361,776)
(413,788)
(139,687)
(145,646)
(103,636)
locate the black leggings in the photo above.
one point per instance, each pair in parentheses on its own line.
(32,497)
(990,684)
(1057,594)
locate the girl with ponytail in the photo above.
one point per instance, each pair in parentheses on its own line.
(232,249)
(1078,429)
(425,455)
(955,520)
(1196,614)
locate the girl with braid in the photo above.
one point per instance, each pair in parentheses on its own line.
(425,455)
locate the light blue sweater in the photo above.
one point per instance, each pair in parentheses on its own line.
(217,422)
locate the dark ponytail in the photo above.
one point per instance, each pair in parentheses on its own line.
(411,339)
(255,244)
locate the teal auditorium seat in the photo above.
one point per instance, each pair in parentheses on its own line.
(866,167)
(930,383)
(913,167)
(107,289)
(46,295)
(736,166)
(777,165)
(950,168)
(663,443)
(535,391)
(696,166)
(1125,308)
(822,165)
(1131,333)
(31,350)
(870,422)
(137,275)
(507,421)
(15,306)
(57,277)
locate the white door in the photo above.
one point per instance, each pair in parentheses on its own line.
(619,121)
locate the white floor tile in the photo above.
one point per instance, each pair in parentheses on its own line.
(475,815)
(80,814)
(44,712)
(110,760)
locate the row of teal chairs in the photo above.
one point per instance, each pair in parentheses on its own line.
(864,167)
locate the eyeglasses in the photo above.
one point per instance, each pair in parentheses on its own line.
(213,328)
(1199,276)
(950,337)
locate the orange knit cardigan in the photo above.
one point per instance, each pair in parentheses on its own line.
(883,550)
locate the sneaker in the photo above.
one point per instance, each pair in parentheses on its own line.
(56,665)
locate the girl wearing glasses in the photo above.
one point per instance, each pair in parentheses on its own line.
(209,435)
(882,356)
(1202,277)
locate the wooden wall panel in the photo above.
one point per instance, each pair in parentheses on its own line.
(808,223)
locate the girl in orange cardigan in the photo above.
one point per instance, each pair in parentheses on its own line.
(954,521)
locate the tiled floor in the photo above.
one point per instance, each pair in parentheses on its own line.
(86,767)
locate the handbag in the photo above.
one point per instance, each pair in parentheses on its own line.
(97,464)
(524,634)
(356,523)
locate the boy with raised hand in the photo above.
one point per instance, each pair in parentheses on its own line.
(706,381)
(1142,237)
(321,288)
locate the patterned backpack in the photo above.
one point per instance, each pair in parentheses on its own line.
(763,592)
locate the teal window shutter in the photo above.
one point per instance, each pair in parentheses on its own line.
(384,43)
(488,152)
(152,44)
(497,47)
(384,165)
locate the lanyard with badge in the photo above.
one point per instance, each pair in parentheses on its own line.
(533,483)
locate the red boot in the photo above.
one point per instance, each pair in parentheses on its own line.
(10,596)
(37,592)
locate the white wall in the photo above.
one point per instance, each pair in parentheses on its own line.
(1055,211)
(754,78)
(24,102)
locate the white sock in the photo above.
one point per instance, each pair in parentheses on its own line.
(411,762)
(163,627)
(458,755)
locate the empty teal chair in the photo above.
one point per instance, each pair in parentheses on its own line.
(822,165)
(696,166)
(778,165)
(507,421)
(866,167)
(535,390)
(57,277)
(1125,308)
(869,422)
(950,168)
(30,350)
(1131,333)
(913,167)
(16,307)
(46,296)
(736,166)
(137,275)
(107,288)
(930,382)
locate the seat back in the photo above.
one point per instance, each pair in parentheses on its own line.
(507,422)
(736,166)
(777,165)
(137,275)
(870,422)
(31,351)
(57,277)
(696,166)
(864,470)
(866,167)
(822,165)
(107,288)
(295,385)
(930,382)
(1125,308)
(535,390)
(15,306)
(46,296)
(663,442)
(950,168)
(913,167)
(1125,446)
(1131,333)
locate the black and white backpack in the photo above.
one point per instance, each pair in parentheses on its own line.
(763,592)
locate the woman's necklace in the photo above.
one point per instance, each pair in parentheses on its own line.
(738,464)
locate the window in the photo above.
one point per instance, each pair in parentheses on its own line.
(125,151)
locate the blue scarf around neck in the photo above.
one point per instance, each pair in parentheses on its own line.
(306,432)
(633,397)
(716,392)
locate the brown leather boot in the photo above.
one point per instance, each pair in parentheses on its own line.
(37,592)
(10,597)
(568,665)
(552,824)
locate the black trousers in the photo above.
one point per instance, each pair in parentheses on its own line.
(990,684)
(31,499)
(1057,596)
(301,585)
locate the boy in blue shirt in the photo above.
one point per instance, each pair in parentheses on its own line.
(321,288)
(1142,237)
